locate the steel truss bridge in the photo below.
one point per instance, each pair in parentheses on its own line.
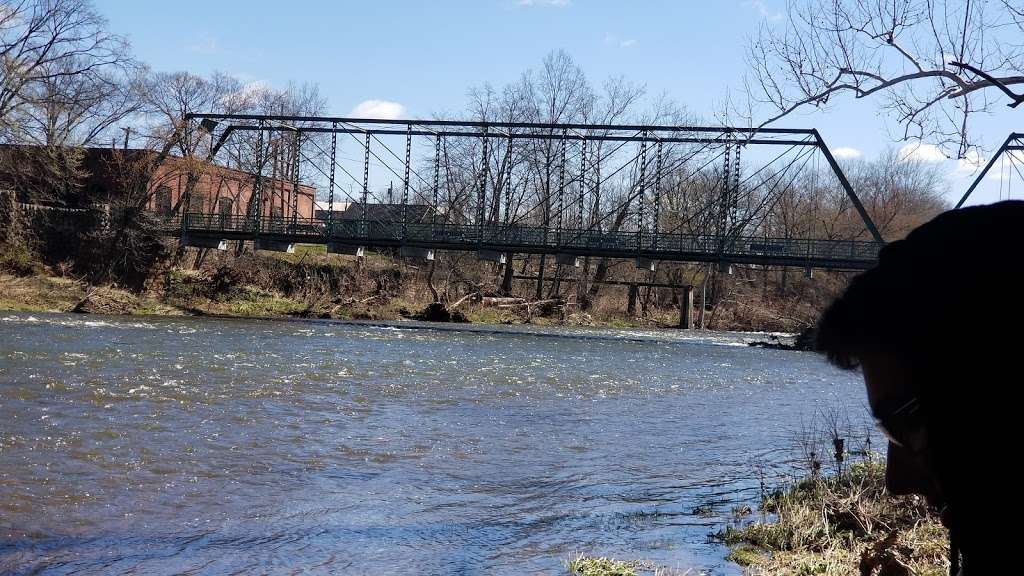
(649,192)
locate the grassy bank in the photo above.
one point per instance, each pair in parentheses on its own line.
(839,525)
(311,284)
(185,292)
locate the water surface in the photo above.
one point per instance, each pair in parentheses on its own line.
(212,446)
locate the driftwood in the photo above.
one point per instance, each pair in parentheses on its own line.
(463,299)
(499,301)
(556,301)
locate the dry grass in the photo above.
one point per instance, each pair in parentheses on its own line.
(594,566)
(312,283)
(39,293)
(835,525)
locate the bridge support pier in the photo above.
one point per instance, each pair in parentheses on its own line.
(645,264)
(686,308)
(346,249)
(274,246)
(631,307)
(415,252)
(492,256)
(568,260)
(204,242)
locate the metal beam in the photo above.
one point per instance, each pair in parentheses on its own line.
(483,124)
(848,188)
(1005,147)
(527,136)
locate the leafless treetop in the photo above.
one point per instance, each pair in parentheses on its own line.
(931,63)
(52,53)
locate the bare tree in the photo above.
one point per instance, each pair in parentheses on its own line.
(45,41)
(169,96)
(932,63)
(78,109)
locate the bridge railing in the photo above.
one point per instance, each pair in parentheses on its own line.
(512,236)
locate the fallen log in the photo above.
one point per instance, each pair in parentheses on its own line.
(500,301)
(552,301)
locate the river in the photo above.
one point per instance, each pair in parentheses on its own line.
(215,446)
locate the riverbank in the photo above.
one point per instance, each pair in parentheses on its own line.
(184,294)
(839,525)
(310,284)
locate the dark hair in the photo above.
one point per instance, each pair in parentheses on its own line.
(961,268)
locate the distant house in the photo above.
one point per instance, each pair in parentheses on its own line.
(323,210)
(387,212)
(102,172)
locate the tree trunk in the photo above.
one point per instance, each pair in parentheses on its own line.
(631,307)
(540,279)
(600,274)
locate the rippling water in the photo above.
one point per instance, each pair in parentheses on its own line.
(231,446)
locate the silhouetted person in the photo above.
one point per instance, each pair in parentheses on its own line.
(935,328)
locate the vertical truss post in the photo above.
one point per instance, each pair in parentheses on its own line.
(258,181)
(583,184)
(657,195)
(295,179)
(334,161)
(437,181)
(481,194)
(405,183)
(641,194)
(561,191)
(734,197)
(724,201)
(185,127)
(508,179)
(366,187)
(596,213)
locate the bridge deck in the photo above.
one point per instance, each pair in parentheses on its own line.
(828,254)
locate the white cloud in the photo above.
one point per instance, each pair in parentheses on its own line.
(847,153)
(613,40)
(383,109)
(247,93)
(970,163)
(207,45)
(920,152)
(553,3)
(761,8)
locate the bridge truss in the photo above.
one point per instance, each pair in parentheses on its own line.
(676,193)
(1011,150)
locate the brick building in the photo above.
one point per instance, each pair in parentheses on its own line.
(45,176)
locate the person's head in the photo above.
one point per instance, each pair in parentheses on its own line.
(933,328)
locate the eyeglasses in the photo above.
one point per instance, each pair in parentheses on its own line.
(905,426)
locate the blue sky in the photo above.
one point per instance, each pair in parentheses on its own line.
(424,56)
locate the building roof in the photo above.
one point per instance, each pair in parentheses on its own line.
(387,212)
(338,206)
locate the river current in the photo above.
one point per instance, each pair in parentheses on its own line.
(214,446)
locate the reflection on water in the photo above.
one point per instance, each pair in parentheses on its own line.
(224,446)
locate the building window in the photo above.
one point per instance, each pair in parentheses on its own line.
(163,200)
(224,206)
(196,202)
